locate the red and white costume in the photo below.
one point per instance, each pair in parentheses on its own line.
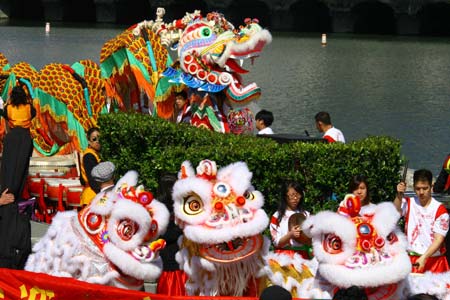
(368,209)
(334,135)
(421,223)
(278,230)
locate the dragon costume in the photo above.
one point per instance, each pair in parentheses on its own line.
(139,70)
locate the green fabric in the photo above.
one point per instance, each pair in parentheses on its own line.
(151,56)
(305,248)
(211,115)
(9,83)
(53,151)
(78,68)
(412,253)
(117,60)
(6,67)
(163,86)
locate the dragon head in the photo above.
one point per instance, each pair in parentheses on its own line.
(210,52)
(220,211)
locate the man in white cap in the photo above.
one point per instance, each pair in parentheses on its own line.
(103,173)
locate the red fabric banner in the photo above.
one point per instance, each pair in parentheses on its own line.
(16,284)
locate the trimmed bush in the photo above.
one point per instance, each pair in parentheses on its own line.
(153,146)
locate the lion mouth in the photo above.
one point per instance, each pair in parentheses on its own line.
(232,251)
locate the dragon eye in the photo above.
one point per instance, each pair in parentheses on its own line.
(392,238)
(332,244)
(193,205)
(206,32)
(126,229)
(222,189)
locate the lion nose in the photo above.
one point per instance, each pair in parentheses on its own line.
(220,204)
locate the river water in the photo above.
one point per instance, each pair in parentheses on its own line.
(371,85)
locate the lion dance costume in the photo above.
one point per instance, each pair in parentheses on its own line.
(112,241)
(221,215)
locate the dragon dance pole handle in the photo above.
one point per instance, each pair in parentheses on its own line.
(88,101)
(151,56)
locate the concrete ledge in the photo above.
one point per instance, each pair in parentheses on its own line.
(37,231)
(150,287)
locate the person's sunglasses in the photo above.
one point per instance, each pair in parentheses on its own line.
(95,139)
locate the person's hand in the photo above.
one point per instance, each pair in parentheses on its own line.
(295,232)
(6,197)
(401,188)
(419,265)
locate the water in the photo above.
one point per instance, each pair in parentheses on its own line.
(371,85)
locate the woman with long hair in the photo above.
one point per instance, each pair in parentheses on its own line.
(286,238)
(359,186)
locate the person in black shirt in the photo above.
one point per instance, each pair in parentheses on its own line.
(172,280)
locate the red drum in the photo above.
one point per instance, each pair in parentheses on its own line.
(53,189)
(73,195)
(34,186)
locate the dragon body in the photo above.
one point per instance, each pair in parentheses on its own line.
(140,69)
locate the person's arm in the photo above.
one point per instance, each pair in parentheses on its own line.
(286,239)
(401,188)
(438,239)
(89,162)
(6,197)
(441,180)
(280,239)
(439,231)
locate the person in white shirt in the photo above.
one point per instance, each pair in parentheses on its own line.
(263,120)
(324,125)
(285,239)
(426,224)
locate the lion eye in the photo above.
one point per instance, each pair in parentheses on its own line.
(392,238)
(249,195)
(193,205)
(126,229)
(332,244)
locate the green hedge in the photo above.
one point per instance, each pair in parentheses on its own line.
(153,146)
